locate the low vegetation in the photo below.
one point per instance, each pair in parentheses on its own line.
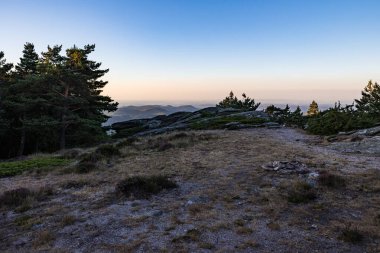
(351,235)
(331,180)
(142,187)
(301,192)
(13,168)
(23,198)
(108,150)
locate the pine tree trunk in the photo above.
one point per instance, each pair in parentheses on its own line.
(62,138)
(22,142)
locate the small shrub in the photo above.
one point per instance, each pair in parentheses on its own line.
(143,187)
(351,235)
(88,162)
(85,167)
(331,180)
(302,192)
(165,146)
(108,151)
(43,193)
(15,197)
(22,199)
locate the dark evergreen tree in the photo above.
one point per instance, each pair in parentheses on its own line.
(51,101)
(370,100)
(233,102)
(286,116)
(25,71)
(81,105)
(5,78)
(5,70)
(28,62)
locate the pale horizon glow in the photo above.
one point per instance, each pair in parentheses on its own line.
(195,52)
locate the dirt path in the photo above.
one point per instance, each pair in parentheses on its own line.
(225,201)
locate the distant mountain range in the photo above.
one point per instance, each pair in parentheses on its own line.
(146,111)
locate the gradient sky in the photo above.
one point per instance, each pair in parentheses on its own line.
(177,51)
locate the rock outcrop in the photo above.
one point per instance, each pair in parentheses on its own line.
(207,118)
(360,141)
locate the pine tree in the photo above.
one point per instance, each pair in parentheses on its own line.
(5,69)
(5,76)
(28,62)
(233,102)
(297,118)
(313,109)
(24,71)
(81,103)
(370,100)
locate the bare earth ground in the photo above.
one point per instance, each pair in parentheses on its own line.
(225,202)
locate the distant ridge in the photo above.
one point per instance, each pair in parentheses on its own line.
(130,112)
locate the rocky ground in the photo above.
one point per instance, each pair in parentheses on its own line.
(249,190)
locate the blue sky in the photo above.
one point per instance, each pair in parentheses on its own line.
(173,51)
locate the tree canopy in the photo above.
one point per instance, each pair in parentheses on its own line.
(52,100)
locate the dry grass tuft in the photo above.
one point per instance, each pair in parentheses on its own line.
(331,180)
(43,238)
(142,187)
(301,192)
(68,220)
(352,235)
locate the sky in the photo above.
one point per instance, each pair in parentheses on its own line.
(196,51)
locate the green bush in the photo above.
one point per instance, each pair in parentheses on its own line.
(338,119)
(8,169)
(286,116)
(142,187)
